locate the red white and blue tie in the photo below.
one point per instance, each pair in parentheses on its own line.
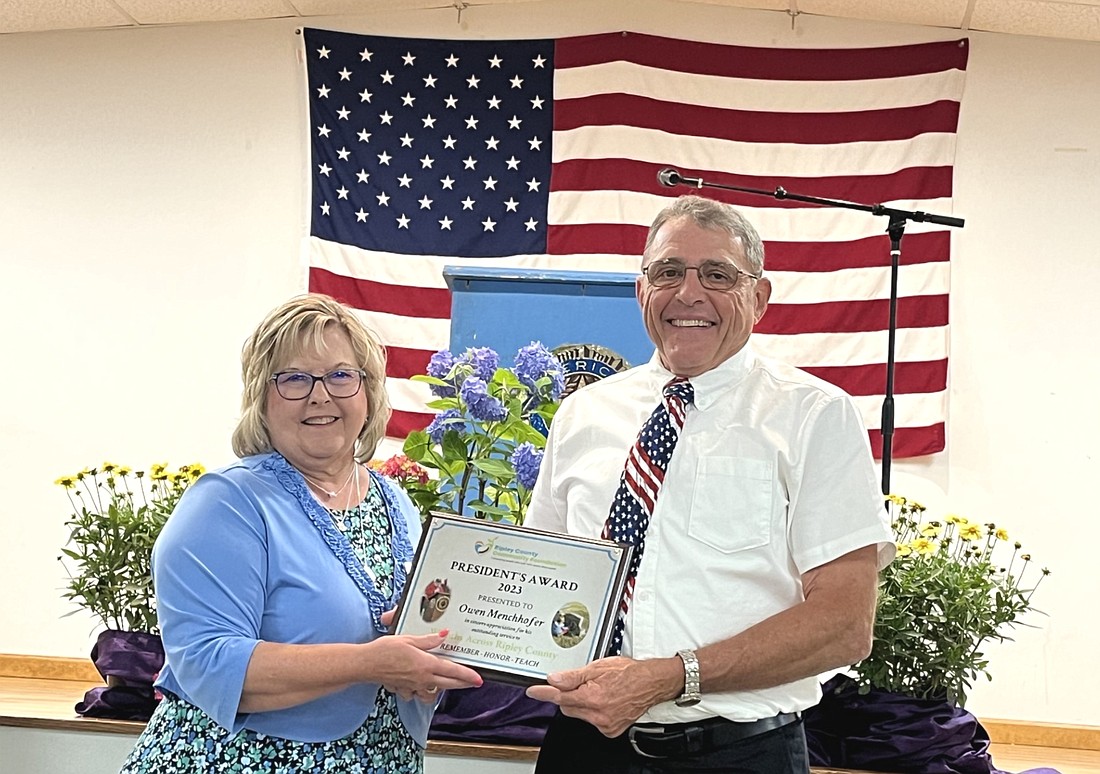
(640,483)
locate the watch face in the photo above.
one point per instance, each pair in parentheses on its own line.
(688,701)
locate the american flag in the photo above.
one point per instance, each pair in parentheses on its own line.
(543,154)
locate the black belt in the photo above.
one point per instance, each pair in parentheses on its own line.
(680,739)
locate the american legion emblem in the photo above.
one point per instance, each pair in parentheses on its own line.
(587,363)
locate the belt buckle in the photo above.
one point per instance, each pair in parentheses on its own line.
(634,744)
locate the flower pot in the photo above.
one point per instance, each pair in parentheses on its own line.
(128,662)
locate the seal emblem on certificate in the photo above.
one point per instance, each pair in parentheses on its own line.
(517,603)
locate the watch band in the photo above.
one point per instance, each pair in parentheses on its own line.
(692,694)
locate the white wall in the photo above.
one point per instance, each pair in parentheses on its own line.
(151,206)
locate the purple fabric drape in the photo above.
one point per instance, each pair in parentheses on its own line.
(495,712)
(883,731)
(128,663)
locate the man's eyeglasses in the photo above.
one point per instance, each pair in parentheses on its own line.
(298,385)
(713,275)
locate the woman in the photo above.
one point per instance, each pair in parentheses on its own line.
(275,577)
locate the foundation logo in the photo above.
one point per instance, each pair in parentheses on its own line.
(484,546)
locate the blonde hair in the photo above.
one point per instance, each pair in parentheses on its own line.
(285,333)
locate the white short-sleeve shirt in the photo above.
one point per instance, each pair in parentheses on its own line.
(772,477)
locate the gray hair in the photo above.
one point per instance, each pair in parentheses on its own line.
(287,331)
(710,214)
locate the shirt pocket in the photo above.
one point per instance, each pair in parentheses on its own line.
(731,505)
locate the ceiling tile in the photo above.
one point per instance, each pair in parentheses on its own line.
(192,11)
(1072,21)
(931,13)
(37,16)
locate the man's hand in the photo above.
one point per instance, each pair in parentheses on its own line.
(612,693)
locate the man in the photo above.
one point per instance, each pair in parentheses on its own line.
(760,553)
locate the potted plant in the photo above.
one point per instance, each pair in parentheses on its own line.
(487,439)
(954,586)
(117,515)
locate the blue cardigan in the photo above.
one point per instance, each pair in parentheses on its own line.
(250,555)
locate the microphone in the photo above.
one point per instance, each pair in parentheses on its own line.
(669,177)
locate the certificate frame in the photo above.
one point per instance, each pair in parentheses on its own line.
(517,603)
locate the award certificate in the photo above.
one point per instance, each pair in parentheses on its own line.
(517,603)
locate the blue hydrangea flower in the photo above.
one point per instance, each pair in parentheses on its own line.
(527,459)
(483,360)
(440,366)
(534,362)
(443,421)
(482,405)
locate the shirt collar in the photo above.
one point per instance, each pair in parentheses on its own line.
(710,386)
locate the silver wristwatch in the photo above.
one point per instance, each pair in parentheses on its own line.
(692,694)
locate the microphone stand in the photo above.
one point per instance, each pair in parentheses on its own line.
(896,230)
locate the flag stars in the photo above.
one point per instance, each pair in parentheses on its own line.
(324,208)
(511,205)
(452,61)
(469,162)
(490,183)
(343,113)
(468,203)
(405,181)
(345,74)
(365,96)
(342,193)
(449,142)
(387,77)
(323,130)
(408,99)
(425,203)
(494,102)
(492,143)
(403,222)
(429,82)
(364,135)
(426,162)
(428,121)
(517,82)
(384,158)
(322,92)
(408,59)
(361,216)
(344,154)
(406,140)
(538,61)
(365,55)
(513,163)
(473,81)
(385,117)
(451,101)
(533,184)
(489,224)
(383,199)
(323,52)
(445,224)
(514,122)
(531,224)
(536,103)
(471,123)
(447,182)
(324,169)
(495,62)
(362,176)
(535,143)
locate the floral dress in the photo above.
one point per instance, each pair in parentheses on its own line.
(180,737)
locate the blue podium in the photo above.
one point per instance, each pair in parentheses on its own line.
(506,309)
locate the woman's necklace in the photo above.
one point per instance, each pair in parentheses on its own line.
(329,492)
(339,516)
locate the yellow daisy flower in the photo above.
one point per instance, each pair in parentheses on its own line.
(1002,534)
(923,546)
(66,481)
(970,532)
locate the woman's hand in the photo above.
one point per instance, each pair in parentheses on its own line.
(404,666)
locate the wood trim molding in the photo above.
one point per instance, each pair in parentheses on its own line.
(1033,734)
(48,668)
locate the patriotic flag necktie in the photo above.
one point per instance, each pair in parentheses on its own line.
(640,483)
